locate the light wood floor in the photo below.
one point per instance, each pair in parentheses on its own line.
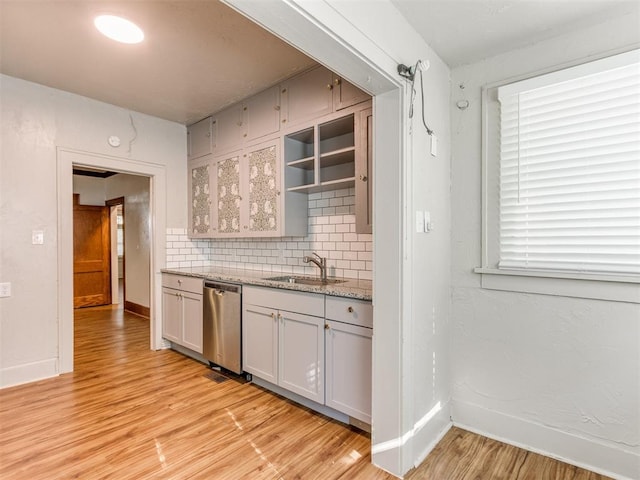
(130,413)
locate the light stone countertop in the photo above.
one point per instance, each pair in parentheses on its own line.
(351,288)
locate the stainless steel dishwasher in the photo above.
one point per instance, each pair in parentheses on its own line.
(222,337)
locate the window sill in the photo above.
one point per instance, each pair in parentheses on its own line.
(617,288)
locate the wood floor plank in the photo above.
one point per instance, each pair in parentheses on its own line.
(127,412)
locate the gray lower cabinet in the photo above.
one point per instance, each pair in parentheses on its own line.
(315,346)
(182,311)
(348,344)
(281,346)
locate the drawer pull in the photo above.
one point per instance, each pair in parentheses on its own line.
(350,309)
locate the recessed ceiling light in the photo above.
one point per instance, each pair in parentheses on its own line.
(119,29)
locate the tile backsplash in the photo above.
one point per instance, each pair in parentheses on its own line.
(332,228)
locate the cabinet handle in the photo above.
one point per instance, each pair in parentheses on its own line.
(326,326)
(329,86)
(284,90)
(337,81)
(273,315)
(363,178)
(284,121)
(245,109)
(350,309)
(244,135)
(277,107)
(245,227)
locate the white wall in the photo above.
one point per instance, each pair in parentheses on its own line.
(555,374)
(90,189)
(137,234)
(35,121)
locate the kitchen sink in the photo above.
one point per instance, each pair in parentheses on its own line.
(305,280)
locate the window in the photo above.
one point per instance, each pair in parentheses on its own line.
(562,172)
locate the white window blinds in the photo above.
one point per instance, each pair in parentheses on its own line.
(570,169)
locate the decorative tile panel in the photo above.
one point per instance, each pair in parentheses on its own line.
(228,195)
(263,194)
(200,196)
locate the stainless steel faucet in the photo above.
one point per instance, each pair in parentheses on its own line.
(320,262)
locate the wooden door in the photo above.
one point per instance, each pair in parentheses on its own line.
(91,256)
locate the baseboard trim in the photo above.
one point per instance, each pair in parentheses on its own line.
(566,447)
(432,432)
(137,309)
(27,373)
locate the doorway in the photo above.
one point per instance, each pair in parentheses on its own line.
(117,250)
(155,223)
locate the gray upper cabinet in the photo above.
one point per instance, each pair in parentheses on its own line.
(199,138)
(316,93)
(239,183)
(262,114)
(307,96)
(201,185)
(346,94)
(229,129)
(364,171)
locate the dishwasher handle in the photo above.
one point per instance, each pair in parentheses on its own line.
(221,288)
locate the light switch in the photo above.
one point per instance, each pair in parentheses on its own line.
(427,222)
(37,237)
(5,289)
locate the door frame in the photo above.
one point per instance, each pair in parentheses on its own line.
(114,202)
(66,159)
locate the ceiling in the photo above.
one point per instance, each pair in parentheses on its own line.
(199,56)
(465,31)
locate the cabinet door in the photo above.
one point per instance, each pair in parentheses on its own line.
(228,194)
(191,321)
(201,184)
(229,129)
(307,96)
(262,114)
(260,342)
(301,362)
(364,171)
(171,315)
(346,94)
(199,138)
(348,364)
(264,199)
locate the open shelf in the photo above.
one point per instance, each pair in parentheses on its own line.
(324,186)
(321,157)
(337,157)
(304,163)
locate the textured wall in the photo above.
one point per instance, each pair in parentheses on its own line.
(565,368)
(35,122)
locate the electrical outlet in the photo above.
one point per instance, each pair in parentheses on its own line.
(5,289)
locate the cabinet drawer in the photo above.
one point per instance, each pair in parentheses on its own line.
(187,284)
(299,302)
(348,310)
